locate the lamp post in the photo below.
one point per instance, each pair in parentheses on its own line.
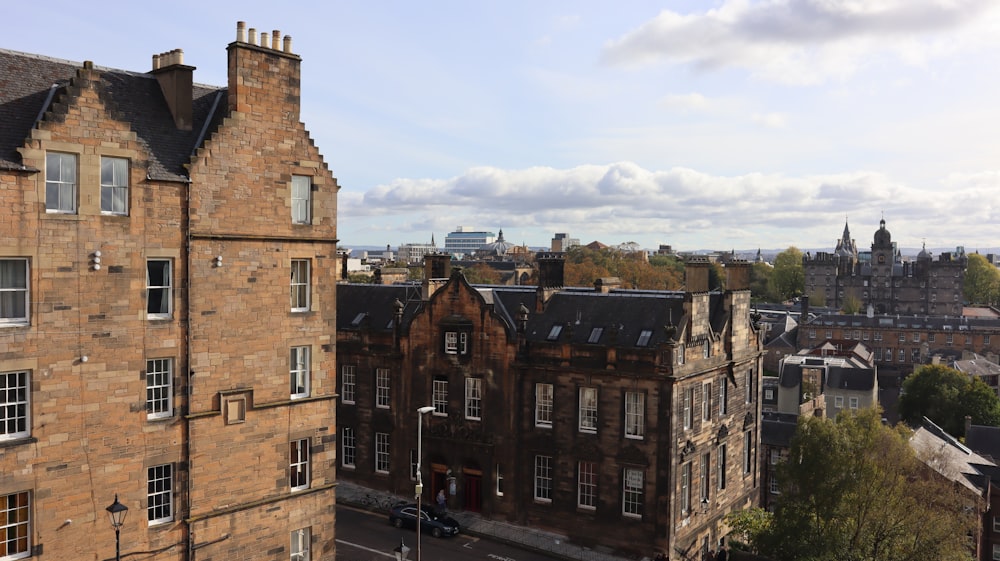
(117,512)
(401,551)
(420,482)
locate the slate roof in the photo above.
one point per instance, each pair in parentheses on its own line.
(950,458)
(984,440)
(622,315)
(849,371)
(896,321)
(26,91)
(777,429)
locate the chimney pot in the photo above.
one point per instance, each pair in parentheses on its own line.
(88,64)
(276,40)
(252,38)
(265,40)
(179,59)
(156,62)
(288,44)
(241,31)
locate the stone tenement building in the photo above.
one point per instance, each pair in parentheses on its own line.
(621,418)
(166,324)
(883,280)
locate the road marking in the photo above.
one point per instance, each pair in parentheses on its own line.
(500,558)
(370,550)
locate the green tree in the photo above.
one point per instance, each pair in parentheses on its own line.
(788,279)
(982,281)
(945,396)
(817,297)
(760,283)
(748,528)
(481,273)
(852,489)
(852,304)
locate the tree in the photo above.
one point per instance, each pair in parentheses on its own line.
(481,273)
(760,283)
(852,489)
(945,396)
(852,304)
(982,281)
(789,278)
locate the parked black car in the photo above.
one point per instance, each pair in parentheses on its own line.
(432,521)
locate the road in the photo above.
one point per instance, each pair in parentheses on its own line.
(367,536)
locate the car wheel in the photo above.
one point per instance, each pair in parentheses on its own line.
(397,522)
(436,532)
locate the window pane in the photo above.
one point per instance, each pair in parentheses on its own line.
(159,383)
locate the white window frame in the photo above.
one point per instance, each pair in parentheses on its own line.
(499,489)
(159,388)
(474,399)
(853,401)
(164,291)
(300,544)
(543,405)
(723,397)
(750,386)
(299,358)
(587,418)
(348,447)
(451,342)
(301,196)
(644,337)
(439,395)
(160,494)
(543,479)
(996,523)
(382,452)
(721,466)
(300,289)
(635,415)
(685,492)
(586,486)
(680,355)
(298,464)
(705,485)
(747,452)
(773,485)
(15,291)
(15,511)
(348,383)
(61,187)
(706,401)
(633,483)
(383,387)
(15,405)
(114,186)
(687,408)
(838,402)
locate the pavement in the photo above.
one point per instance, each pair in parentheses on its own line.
(472,523)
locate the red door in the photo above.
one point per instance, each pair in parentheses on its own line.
(473,493)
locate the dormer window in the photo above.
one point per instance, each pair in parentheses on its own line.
(554,333)
(706,349)
(456,342)
(644,338)
(595,335)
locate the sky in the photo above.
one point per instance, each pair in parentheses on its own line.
(730,124)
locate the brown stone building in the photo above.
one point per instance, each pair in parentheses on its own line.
(623,419)
(166,324)
(883,280)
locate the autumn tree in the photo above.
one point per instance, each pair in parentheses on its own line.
(481,273)
(852,304)
(982,281)
(852,489)
(584,266)
(945,396)
(788,279)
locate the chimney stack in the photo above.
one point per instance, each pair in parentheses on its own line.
(176,82)
(738,275)
(696,274)
(264,76)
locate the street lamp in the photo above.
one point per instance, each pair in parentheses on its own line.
(117,512)
(420,482)
(401,551)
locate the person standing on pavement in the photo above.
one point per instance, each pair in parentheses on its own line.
(442,501)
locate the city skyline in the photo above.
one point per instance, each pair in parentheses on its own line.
(734,124)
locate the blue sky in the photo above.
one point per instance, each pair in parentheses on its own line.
(728,124)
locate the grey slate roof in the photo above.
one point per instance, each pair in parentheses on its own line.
(984,440)
(26,82)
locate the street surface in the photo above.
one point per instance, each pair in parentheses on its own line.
(367,536)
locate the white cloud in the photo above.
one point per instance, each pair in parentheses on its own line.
(808,41)
(770,120)
(624,201)
(686,102)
